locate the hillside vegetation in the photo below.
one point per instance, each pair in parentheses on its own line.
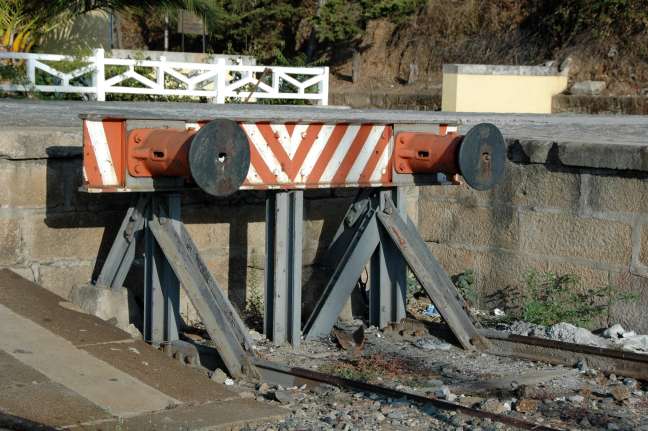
(605,39)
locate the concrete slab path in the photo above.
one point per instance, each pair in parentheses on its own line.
(63,368)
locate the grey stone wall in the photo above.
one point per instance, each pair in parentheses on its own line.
(546,217)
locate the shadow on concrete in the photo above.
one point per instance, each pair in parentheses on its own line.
(15,423)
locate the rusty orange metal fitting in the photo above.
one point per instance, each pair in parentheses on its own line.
(421,153)
(159,152)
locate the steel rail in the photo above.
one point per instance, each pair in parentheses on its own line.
(294,376)
(619,362)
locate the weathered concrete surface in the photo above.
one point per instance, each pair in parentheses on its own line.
(46,378)
(628,105)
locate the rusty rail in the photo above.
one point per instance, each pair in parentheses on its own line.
(619,362)
(292,376)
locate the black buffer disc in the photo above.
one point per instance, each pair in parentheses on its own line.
(482,156)
(219,157)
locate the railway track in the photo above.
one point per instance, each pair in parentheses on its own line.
(501,344)
(294,376)
(619,362)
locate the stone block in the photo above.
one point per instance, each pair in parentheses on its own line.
(458,224)
(588,88)
(106,303)
(563,235)
(589,277)
(210,236)
(630,314)
(523,185)
(618,194)
(643,253)
(538,187)
(26,185)
(501,277)
(454,260)
(49,244)
(10,242)
(62,277)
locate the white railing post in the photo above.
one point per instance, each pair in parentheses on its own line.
(159,72)
(31,70)
(324,87)
(220,81)
(217,81)
(98,77)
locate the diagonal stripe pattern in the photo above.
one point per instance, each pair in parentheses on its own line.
(318,155)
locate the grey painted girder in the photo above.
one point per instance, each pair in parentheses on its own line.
(283,270)
(388,271)
(221,320)
(358,251)
(432,277)
(161,286)
(122,252)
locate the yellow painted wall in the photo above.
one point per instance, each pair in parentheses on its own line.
(500,93)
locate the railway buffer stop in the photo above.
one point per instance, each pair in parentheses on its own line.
(283,151)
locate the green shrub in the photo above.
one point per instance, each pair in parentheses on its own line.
(551,298)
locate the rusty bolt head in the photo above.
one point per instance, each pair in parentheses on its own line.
(138,139)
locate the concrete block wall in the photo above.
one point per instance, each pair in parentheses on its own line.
(546,216)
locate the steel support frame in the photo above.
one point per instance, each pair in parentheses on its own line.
(283,268)
(388,270)
(161,286)
(376,228)
(171,258)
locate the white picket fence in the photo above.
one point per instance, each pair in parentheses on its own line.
(220,82)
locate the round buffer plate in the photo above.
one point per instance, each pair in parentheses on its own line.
(219,157)
(482,156)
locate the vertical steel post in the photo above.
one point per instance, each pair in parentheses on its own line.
(161,286)
(283,271)
(388,277)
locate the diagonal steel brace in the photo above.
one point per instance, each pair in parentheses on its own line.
(217,313)
(432,277)
(122,253)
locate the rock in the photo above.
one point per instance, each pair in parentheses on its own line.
(582,365)
(432,344)
(263,388)
(566,65)
(527,405)
(637,343)
(585,423)
(255,336)
(470,401)
(219,376)
(379,417)
(284,397)
(612,378)
(614,331)
(620,392)
(493,406)
(521,327)
(133,332)
(588,88)
(573,334)
(442,392)
(398,414)
(184,352)
(576,399)
(106,303)
(229,382)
